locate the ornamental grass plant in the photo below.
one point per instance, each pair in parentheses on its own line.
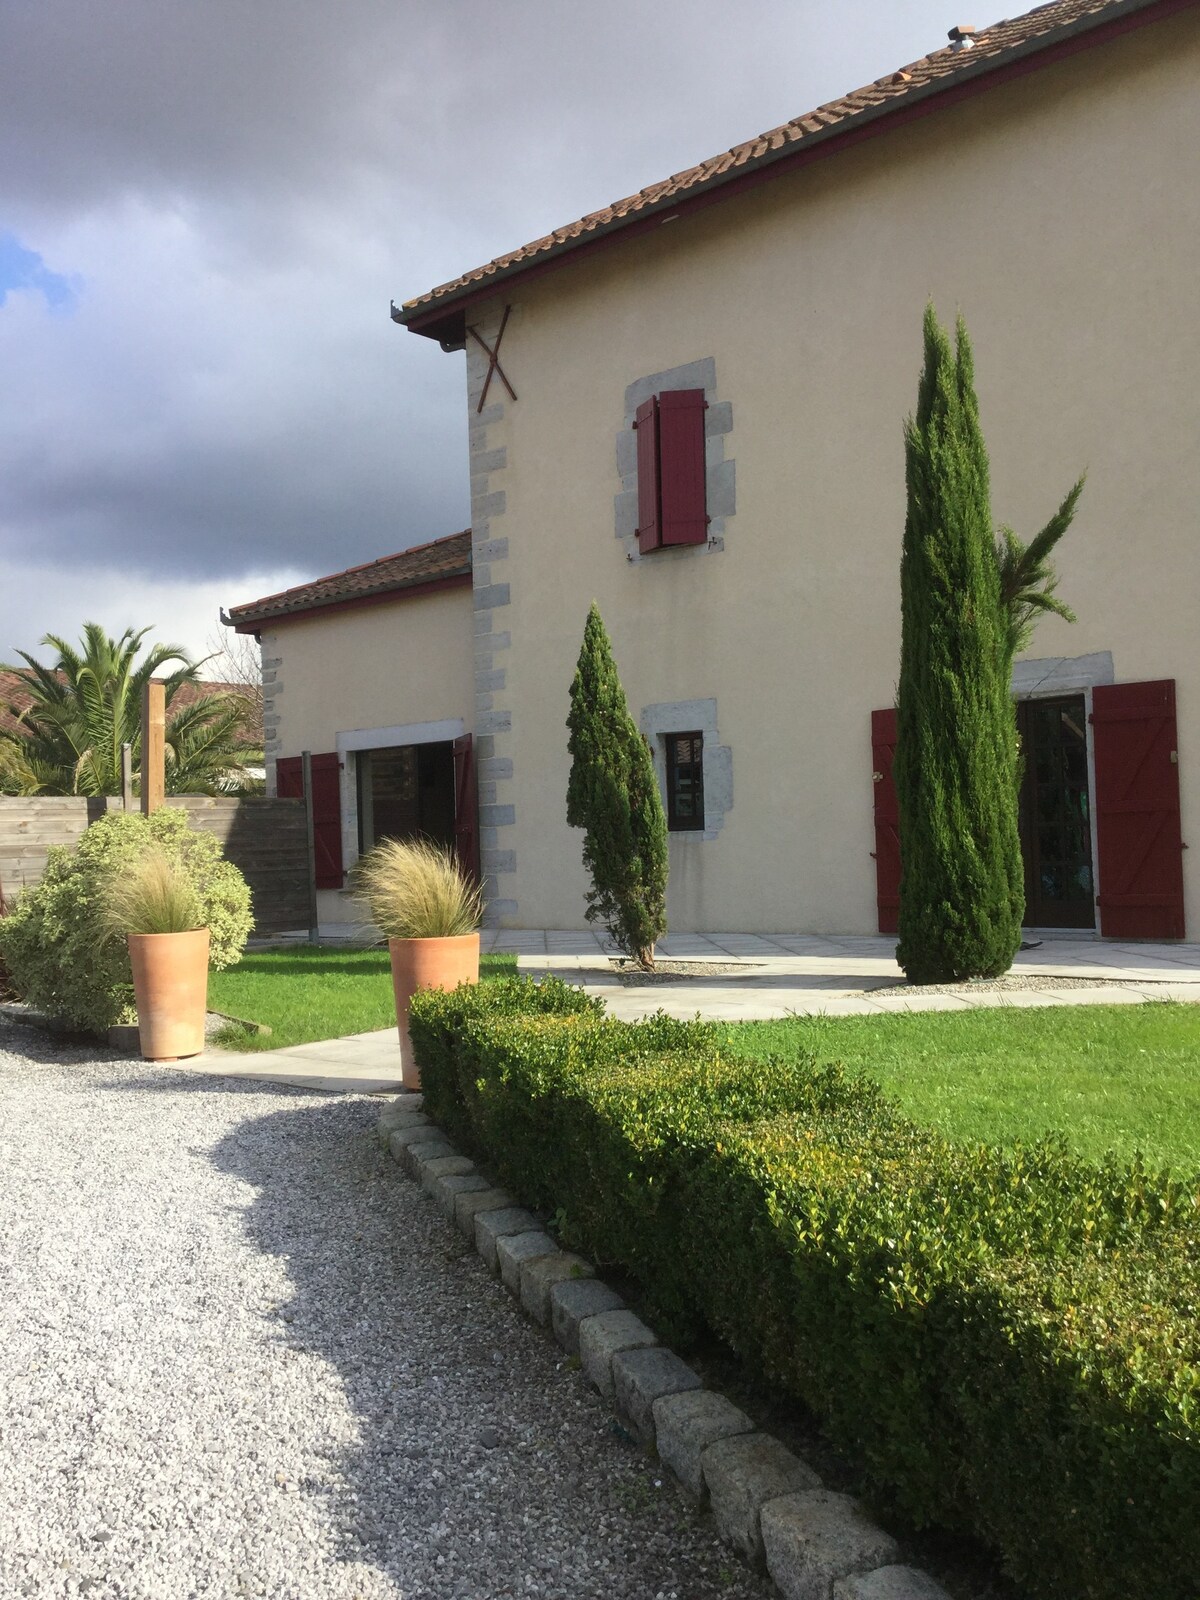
(414,889)
(155,895)
(57,941)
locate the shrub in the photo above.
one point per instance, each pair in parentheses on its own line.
(438,1018)
(60,951)
(416,890)
(612,794)
(1003,1340)
(962,892)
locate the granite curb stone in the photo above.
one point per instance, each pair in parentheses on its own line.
(417,1156)
(540,1275)
(601,1337)
(446,1191)
(889,1583)
(415,1133)
(813,1539)
(492,1226)
(392,1121)
(816,1545)
(640,1377)
(686,1424)
(575,1299)
(447,1167)
(467,1207)
(515,1249)
(742,1474)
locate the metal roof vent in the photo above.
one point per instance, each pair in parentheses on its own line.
(960,37)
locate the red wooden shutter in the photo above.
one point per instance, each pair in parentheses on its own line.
(289,778)
(327,820)
(327,810)
(887,819)
(681,466)
(649,532)
(466,808)
(1140,865)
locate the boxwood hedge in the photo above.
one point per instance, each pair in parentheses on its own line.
(1005,1341)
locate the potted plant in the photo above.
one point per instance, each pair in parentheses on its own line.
(429,910)
(155,906)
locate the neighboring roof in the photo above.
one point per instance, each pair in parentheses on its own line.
(13,692)
(440,312)
(436,565)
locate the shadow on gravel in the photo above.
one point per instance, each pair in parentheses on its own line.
(52,1047)
(473,1464)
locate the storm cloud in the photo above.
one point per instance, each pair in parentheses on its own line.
(206,205)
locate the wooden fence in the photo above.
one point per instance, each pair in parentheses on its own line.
(267,839)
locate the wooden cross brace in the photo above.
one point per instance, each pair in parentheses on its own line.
(493,353)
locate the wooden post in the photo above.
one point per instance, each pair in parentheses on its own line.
(127,776)
(306,771)
(154,735)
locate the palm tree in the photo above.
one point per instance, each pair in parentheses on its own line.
(1027,578)
(73,717)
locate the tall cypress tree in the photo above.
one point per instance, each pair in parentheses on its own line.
(612,794)
(956,768)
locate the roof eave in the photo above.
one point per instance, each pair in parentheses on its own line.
(254,621)
(445,319)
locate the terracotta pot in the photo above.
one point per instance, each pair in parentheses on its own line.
(170,985)
(427,964)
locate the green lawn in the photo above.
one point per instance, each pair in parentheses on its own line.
(1120,1078)
(308,992)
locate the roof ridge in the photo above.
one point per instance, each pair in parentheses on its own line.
(1007,38)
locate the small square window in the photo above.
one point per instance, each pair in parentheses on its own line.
(685,782)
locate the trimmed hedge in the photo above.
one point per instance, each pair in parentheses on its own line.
(1005,1341)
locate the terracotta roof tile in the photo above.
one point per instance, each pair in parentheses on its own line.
(990,48)
(449,557)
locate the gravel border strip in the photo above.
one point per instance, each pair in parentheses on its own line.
(768,1504)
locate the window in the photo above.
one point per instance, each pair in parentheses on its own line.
(685,782)
(671,470)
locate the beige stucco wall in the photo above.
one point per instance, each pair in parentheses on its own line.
(1061,213)
(381,666)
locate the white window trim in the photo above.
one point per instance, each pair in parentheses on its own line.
(403,733)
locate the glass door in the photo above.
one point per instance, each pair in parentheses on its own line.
(1056,814)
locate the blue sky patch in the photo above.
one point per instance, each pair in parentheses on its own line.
(22,268)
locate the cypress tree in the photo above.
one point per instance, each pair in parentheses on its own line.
(612,794)
(956,768)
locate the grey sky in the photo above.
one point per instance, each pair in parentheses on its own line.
(203,397)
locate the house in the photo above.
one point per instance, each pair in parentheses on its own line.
(369,670)
(687,407)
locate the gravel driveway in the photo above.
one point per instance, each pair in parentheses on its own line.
(240,1354)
